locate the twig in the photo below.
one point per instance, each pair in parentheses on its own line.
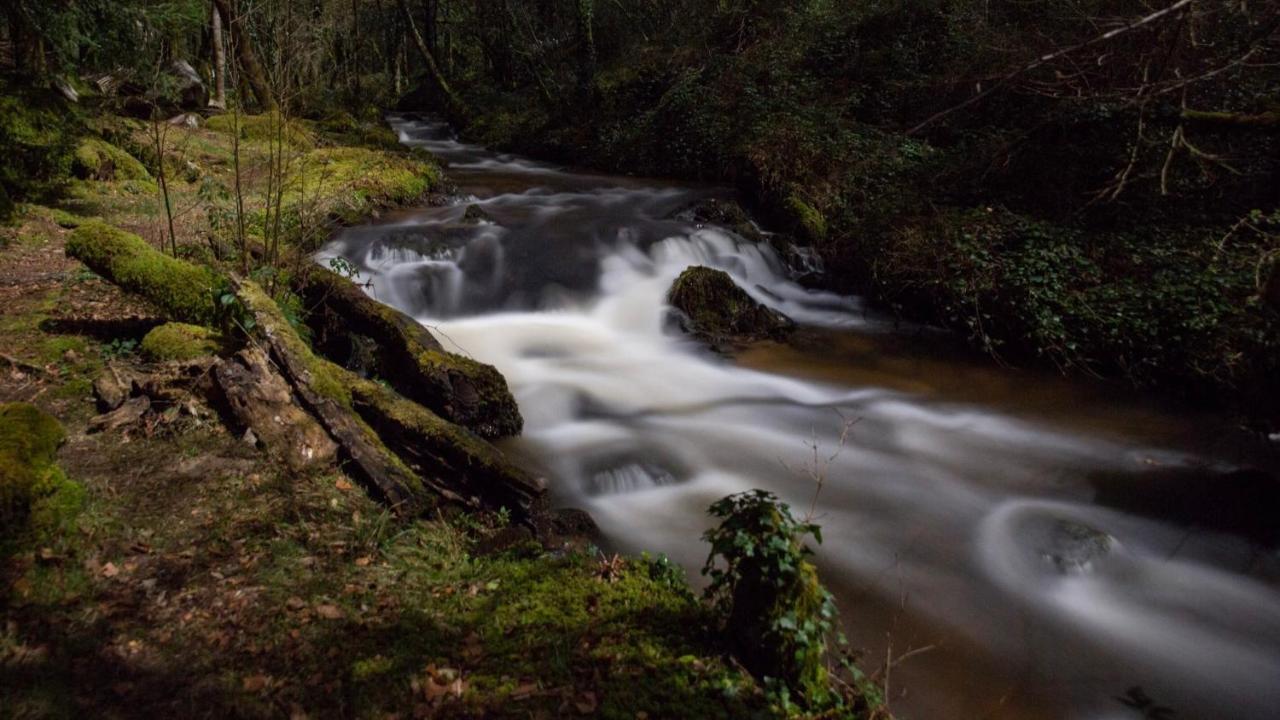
(1045,59)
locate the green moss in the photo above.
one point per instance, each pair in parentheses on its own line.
(29,440)
(718,310)
(813,225)
(180,341)
(268,127)
(38,132)
(183,290)
(100,160)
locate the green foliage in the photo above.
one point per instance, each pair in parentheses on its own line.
(767,594)
(38,132)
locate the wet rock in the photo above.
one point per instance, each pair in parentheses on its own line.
(475,215)
(724,213)
(717,310)
(1073,548)
(567,523)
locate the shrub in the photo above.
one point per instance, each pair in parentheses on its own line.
(769,598)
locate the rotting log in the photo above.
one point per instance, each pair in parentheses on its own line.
(262,401)
(323,389)
(456,388)
(391,430)
(437,448)
(452,463)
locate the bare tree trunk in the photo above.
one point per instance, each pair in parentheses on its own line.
(456,105)
(219,63)
(249,66)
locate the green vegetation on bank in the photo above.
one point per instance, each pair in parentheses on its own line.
(1079,211)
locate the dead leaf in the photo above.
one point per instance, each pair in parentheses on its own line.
(343,485)
(586,703)
(256,683)
(363,561)
(110,570)
(329,612)
(295,603)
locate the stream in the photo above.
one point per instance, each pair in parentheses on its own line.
(1037,547)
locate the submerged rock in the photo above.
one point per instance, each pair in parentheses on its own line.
(475,215)
(1073,548)
(716,309)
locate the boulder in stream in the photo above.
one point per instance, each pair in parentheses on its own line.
(1073,548)
(714,308)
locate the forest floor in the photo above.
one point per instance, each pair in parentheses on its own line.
(199,578)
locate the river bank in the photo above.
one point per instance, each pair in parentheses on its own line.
(196,575)
(1013,235)
(965,500)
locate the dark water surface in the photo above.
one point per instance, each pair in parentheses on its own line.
(1052,549)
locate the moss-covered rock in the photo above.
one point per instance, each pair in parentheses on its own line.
(180,341)
(29,439)
(812,223)
(716,309)
(97,159)
(183,290)
(723,212)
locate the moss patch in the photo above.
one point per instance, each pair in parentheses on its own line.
(100,160)
(29,439)
(268,127)
(180,341)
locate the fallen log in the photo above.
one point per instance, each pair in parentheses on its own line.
(324,390)
(183,290)
(437,448)
(262,401)
(456,388)
(451,463)
(449,460)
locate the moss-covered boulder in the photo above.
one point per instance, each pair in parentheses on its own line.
(97,159)
(714,308)
(183,290)
(457,388)
(29,439)
(180,341)
(811,223)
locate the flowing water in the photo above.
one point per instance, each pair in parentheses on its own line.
(1039,548)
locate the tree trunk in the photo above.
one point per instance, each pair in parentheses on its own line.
(219,99)
(250,69)
(456,106)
